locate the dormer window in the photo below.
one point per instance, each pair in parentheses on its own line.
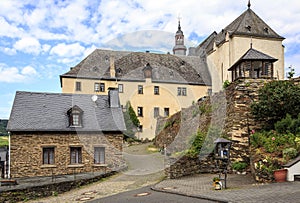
(147,71)
(75,116)
(266,30)
(248,28)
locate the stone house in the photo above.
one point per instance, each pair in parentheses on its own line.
(54,134)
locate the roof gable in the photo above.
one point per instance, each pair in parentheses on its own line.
(248,24)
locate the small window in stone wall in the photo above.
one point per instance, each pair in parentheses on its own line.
(75,155)
(99,155)
(48,155)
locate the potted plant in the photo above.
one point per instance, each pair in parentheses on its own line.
(217,183)
(280,175)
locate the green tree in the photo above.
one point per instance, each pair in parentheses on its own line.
(275,100)
(131,121)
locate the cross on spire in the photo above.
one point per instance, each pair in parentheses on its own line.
(249,4)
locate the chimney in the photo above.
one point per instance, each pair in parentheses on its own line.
(113,97)
(112,69)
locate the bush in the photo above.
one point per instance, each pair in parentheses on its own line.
(239,166)
(272,141)
(196,141)
(289,153)
(226,84)
(275,100)
(288,125)
(131,121)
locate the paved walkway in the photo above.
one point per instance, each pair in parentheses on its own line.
(241,188)
(147,169)
(144,169)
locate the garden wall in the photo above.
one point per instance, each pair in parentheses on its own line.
(12,195)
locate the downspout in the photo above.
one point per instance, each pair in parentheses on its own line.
(8,175)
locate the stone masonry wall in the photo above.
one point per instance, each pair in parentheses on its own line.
(236,123)
(27,148)
(239,121)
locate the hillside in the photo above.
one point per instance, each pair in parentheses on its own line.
(3,124)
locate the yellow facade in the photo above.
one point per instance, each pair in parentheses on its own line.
(167,98)
(226,54)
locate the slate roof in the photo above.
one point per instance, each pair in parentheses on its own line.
(254,55)
(247,24)
(34,111)
(129,66)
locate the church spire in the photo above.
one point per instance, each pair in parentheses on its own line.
(249,4)
(179,48)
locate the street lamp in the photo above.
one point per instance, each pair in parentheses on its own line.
(222,157)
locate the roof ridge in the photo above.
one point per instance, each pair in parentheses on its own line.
(58,93)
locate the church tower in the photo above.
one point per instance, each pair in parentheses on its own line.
(179,48)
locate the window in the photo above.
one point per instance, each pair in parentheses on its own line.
(97,87)
(78,86)
(156,112)
(75,119)
(166,112)
(140,111)
(99,155)
(75,116)
(75,155)
(102,87)
(140,128)
(181,91)
(120,87)
(140,89)
(156,90)
(48,155)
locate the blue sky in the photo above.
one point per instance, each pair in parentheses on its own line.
(40,40)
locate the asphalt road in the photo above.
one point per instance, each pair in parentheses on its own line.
(146,195)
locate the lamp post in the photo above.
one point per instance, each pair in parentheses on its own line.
(222,157)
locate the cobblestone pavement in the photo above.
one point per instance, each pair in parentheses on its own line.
(241,188)
(144,169)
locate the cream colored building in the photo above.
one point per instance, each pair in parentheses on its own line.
(225,48)
(163,84)
(155,84)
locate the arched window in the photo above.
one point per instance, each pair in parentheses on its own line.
(75,116)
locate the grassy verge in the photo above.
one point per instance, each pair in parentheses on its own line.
(3,141)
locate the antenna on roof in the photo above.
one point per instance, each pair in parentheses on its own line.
(249,4)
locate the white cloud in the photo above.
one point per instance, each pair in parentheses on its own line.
(28,45)
(28,70)
(9,30)
(67,50)
(14,75)
(8,51)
